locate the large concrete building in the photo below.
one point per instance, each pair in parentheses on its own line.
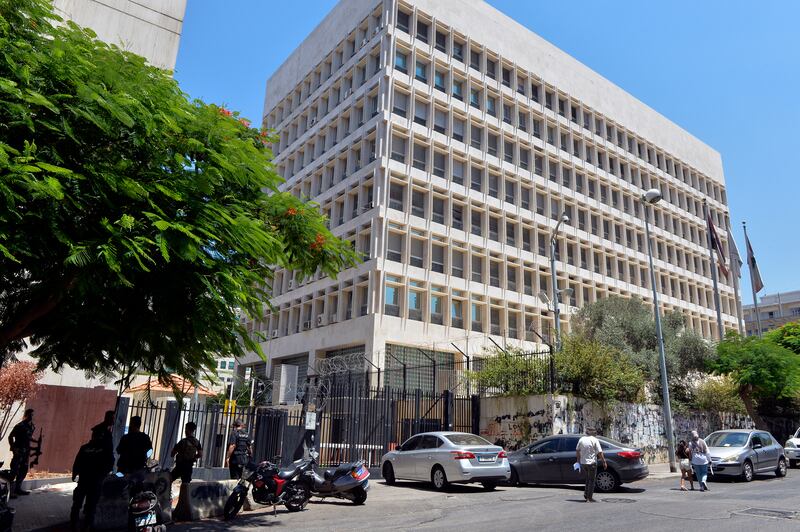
(444,140)
(150,28)
(774,309)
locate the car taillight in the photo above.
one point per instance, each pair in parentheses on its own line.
(502,454)
(462,455)
(630,455)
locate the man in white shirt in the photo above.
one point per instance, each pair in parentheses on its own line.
(587,452)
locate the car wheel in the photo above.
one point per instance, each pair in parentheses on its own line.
(606,481)
(489,486)
(781,470)
(747,471)
(514,480)
(388,474)
(438,478)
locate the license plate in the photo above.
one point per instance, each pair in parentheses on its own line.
(147,519)
(486,458)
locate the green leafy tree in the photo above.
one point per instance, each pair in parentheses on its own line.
(787,336)
(761,370)
(135,223)
(511,372)
(628,325)
(719,394)
(598,371)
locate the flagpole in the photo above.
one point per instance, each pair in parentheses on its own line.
(720,328)
(752,285)
(735,263)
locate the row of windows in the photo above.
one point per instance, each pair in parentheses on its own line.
(444,256)
(502,145)
(498,73)
(519,191)
(523,232)
(360,37)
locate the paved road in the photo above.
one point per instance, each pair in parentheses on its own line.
(652,505)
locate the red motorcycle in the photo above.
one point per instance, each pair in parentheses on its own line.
(271,486)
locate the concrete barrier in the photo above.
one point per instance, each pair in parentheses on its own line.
(203,499)
(112,509)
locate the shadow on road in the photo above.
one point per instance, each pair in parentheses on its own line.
(452,488)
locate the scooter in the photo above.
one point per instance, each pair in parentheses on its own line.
(144,510)
(271,487)
(347,481)
(6,512)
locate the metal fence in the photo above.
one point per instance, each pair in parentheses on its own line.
(359,414)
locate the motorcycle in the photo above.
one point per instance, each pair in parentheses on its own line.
(271,486)
(348,481)
(6,512)
(144,510)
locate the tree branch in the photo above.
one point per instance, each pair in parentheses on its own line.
(24,324)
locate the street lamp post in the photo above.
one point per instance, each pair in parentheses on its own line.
(556,309)
(651,197)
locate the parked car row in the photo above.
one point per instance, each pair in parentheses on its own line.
(444,458)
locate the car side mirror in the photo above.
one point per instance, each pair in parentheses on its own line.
(757,446)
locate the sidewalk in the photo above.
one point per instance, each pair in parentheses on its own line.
(661,471)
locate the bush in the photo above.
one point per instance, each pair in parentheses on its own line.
(598,371)
(511,372)
(719,395)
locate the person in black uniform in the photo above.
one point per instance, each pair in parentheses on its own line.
(19,441)
(240,450)
(106,428)
(93,462)
(132,448)
(186,452)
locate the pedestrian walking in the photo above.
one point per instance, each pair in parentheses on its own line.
(700,459)
(92,464)
(240,450)
(132,448)
(19,441)
(186,452)
(684,455)
(587,453)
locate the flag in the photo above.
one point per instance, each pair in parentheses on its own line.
(733,255)
(755,275)
(717,245)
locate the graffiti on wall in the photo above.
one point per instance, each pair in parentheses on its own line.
(517,421)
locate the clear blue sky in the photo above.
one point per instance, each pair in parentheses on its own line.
(728,71)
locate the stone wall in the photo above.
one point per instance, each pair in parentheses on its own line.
(517,421)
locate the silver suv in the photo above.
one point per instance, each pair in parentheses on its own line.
(744,453)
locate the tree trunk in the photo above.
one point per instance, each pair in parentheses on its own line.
(23,325)
(747,398)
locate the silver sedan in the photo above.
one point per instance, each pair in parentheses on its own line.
(442,458)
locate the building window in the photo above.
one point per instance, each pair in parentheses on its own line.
(403,21)
(458,90)
(417,253)
(475,59)
(438,80)
(475,98)
(437,258)
(441,41)
(422,31)
(437,303)
(421,113)
(396,193)
(399,149)
(421,72)
(458,51)
(415,305)
(400,104)
(392,301)
(394,248)
(457,314)
(401,62)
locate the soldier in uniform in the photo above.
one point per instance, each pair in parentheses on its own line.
(240,450)
(20,443)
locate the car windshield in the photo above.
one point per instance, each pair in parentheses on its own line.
(466,439)
(727,439)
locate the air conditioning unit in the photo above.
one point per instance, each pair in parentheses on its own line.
(377,30)
(274,333)
(320,320)
(291,284)
(364,41)
(347,93)
(312,121)
(306,325)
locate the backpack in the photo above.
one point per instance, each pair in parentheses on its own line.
(187,450)
(241,449)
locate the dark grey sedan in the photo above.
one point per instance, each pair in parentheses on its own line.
(550,461)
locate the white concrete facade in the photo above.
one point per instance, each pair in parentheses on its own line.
(150,28)
(444,140)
